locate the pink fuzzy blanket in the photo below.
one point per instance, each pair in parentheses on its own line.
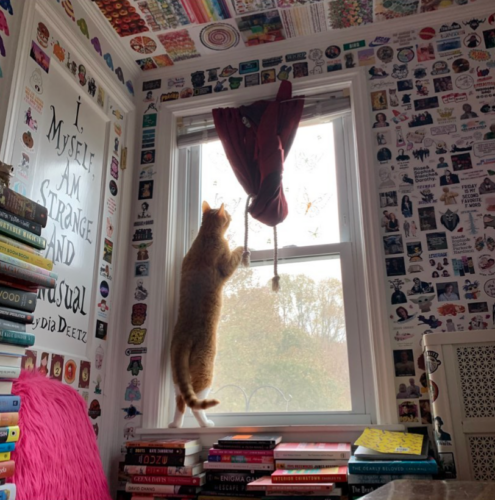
(57,456)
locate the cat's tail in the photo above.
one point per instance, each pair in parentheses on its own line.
(185,386)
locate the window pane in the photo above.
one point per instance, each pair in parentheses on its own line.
(310,186)
(283,351)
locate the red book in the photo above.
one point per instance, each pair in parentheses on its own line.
(7,469)
(175,480)
(25,286)
(149,470)
(244,453)
(321,451)
(265,484)
(327,475)
(240,459)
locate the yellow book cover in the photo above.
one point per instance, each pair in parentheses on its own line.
(5,456)
(18,253)
(9,434)
(391,442)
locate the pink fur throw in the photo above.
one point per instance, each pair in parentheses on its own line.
(57,456)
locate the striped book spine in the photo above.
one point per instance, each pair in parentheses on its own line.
(17,253)
(19,205)
(17,338)
(22,235)
(25,265)
(21,246)
(25,275)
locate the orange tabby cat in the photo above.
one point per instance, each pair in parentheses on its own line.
(205,270)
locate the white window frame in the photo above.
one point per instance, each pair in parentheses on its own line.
(374,348)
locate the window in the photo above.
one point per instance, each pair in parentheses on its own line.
(291,357)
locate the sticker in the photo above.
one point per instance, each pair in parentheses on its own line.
(405,55)
(70,371)
(378,41)
(145,190)
(104,289)
(489,37)
(300,69)
(131,412)
(29,360)
(270,62)
(335,66)
(460,65)
(84,374)
(108,251)
(179,45)
(138,316)
(298,56)
(169,96)
(141,269)
(94,410)
(40,57)
(235,82)
(385,54)
(42,35)
(143,45)
(137,336)
(43,368)
(136,350)
(135,365)
(366,57)
(148,157)
(252,80)
(142,235)
(219,36)
(249,67)
(427,33)
(103,307)
(152,85)
(261,28)
(198,79)
(354,45)
(101,330)
(132,392)
(149,120)
(112,186)
(333,52)
(57,367)
(203,91)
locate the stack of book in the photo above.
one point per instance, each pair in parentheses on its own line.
(23,271)
(307,470)
(166,468)
(236,461)
(370,469)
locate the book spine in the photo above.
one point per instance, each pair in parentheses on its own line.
(21,246)
(170,480)
(363,489)
(246,453)
(9,404)
(239,477)
(308,464)
(4,447)
(179,445)
(291,487)
(17,316)
(22,235)
(243,446)
(9,372)
(310,478)
(7,469)
(384,478)
(24,274)
(17,338)
(230,466)
(17,253)
(4,456)
(23,286)
(17,299)
(226,496)
(28,225)
(9,434)
(156,460)
(393,468)
(248,444)
(232,487)
(19,205)
(317,455)
(12,326)
(160,488)
(240,459)
(26,265)
(158,471)
(177,452)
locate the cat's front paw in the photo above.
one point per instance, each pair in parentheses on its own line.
(174,425)
(208,423)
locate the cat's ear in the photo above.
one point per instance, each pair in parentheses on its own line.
(221,210)
(205,207)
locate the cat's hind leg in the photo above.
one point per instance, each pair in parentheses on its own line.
(180,410)
(200,415)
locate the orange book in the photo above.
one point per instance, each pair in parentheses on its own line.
(7,469)
(9,419)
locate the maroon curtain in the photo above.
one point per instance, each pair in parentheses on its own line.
(256,140)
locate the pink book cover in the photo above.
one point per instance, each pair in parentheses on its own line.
(326,475)
(313,450)
(265,484)
(244,453)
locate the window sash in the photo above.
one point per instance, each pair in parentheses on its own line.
(190,180)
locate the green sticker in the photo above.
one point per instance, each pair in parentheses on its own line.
(354,45)
(149,120)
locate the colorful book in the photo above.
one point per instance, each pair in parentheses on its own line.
(6,313)
(161,488)
(171,480)
(309,464)
(19,205)
(12,326)
(246,453)
(25,275)
(17,338)
(392,466)
(250,439)
(176,452)
(174,444)
(8,259)
(9,404)
(239,477)
(324,451)
(191,470)
(9,434)
(8,491)
(231,466)
(329,475)
(4,456)
(24,286)
(22,235)
(8,419)
(9,372)
(383,478)
(17,299)
(161,460)
(21,246)
(7,447)
(7,470)
(265,484)
(21,222)
(240,459)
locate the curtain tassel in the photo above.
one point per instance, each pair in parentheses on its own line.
(276,277)
(246,255)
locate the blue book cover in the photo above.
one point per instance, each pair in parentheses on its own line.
(7,447)
(9,404)
(361,479)
(17,338)
(392,466)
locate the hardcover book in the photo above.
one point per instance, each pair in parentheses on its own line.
(22,235)
(251,439)
(9,404)
(180,444)
(17,299)
(383,478)
(265,484)
(313,450)
(171,480)
(329,475)
(13,326)
(5,240)
(161,460)
(161,488)
(177,452)
(17,338)
(309,464)
(24,286)
(244,452)
(240,459)
(392,467)
(233,466)
(19,205)
(239,477)
(26,275)
(191,470)
(17,316)
(9,434)
(9,372)
(7,470)
(28,225)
